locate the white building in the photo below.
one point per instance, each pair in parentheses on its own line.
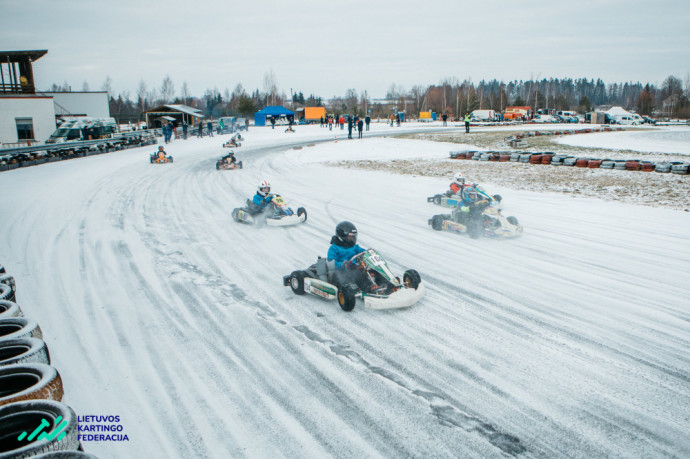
(27,116)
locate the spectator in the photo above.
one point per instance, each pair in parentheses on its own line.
(330,123)
(467,123)
(185,127)
(246,124)
(367,120)
(342,122)
(321,125)
(360,127)
(349,127)
(273,123)
(445,119)
(209,125)
(201,129)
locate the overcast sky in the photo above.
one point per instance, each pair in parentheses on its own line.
(326,47)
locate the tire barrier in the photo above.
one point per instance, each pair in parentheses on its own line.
(8,280)
(19,327)
(549,157)
(65,455)
(29,381)
(22,418)
(30,389)
(23,350)
(9,309)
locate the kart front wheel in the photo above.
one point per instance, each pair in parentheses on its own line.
(302,211)
(412,279)
(347,297)
(512,220)
(297,282)
(437,222)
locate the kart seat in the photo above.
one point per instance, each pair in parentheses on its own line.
(324,267)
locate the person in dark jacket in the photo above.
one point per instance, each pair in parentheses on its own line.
(445,119)
(349,127)
(185,127)
(201,129)
(273,123)
(360,127)
(367,120)
(209,125)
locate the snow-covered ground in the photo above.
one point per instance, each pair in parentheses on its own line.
(570,341)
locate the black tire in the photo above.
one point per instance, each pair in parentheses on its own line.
(512,220)
(347,297)
(412,279)
(302,211)
(437,199)
(240,165)
(498,197)
(217,166)
(9,309)
(474,229)
(17,418)
(297,282)
(8,280)
(437,222)
(19,327)
(65,455)
(29,381)
(6,292)
(170,159)
(23,350)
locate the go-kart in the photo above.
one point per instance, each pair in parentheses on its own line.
(489,222)
(448,199)
(233,142)
(222,165)
(276,213)
(375,283)
(155,159)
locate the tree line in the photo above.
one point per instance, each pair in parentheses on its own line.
(671,99)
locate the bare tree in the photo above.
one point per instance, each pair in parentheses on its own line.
(141,96)
(270,86)
(85,86)
(364,101)
(184,93)
(167,89)
(107,85)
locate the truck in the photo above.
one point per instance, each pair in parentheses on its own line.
(483,115)
(83,128)
(308,115)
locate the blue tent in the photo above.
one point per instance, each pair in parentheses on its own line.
(272,110)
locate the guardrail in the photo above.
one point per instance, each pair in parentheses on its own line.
(12,158)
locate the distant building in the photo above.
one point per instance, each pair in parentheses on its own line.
(173,113)
(27,115)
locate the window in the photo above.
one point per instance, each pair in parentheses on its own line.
(25,128)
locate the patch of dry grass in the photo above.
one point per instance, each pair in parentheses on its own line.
(636,187)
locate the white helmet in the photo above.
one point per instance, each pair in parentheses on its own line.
(264,188)
(459,178)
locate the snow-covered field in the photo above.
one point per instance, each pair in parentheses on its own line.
(570,341)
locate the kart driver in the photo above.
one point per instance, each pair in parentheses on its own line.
(262,198)
(161,153)
(457,185)
(343,247)
(472,204)
(229,158)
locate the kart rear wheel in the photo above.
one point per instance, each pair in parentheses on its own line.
(512,220)
(170,159)
(412,279)
(297,282)
(217,166)
(437,199)
(347,297)
(302,211)
(240,164)
(437,222)
(498,197)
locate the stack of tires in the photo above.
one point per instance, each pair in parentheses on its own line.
(30,388)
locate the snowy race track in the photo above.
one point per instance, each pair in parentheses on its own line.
(571,341)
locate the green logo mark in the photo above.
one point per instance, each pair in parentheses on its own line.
(58,430)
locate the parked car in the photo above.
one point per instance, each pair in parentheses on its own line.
(544,119)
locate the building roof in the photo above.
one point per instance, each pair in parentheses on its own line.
(177,108)
(14,55)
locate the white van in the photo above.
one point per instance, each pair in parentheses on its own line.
(626,119)
(483,115)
